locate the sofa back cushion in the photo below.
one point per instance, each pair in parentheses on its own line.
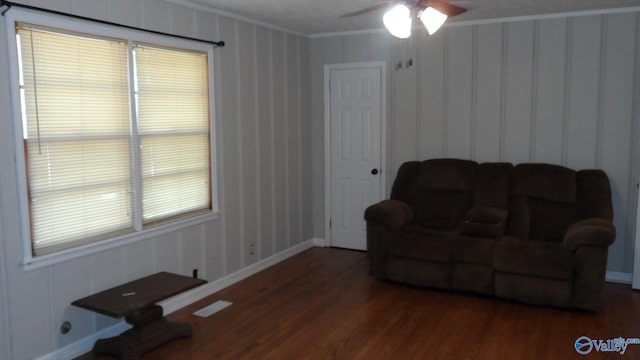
(542,201)
(405,185)
(441,210)
(439,191)
(594,195)
(492,185)
(447,175)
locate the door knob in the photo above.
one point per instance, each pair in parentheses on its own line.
(374,171)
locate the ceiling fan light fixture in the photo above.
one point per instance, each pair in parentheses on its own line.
(432,19)
(398,21)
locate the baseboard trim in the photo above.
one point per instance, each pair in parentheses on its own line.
(618,277)
(319,242)
(189,297)
(85,345)
(170,305)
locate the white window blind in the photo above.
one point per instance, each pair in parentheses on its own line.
(75,96)
(94,171)
(172,92)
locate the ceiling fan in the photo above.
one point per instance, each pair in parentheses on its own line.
(432,13)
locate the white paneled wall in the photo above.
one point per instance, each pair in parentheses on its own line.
(4,322)
(555,90)
(264,163)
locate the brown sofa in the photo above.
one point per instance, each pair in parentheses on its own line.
(535,233)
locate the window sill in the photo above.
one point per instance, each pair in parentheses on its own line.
(31,263)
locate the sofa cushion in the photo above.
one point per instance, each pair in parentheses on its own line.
(594,195)
(542,201)
(424,248)
(534,258)
(472,277)
(439,191)
(405,185)
(484,222)
(416,229)
(486,215)
(480,230)
(548,220)
(492,185)
(440,209)
(544,181)
(447,174)
(472,250)
(538,219)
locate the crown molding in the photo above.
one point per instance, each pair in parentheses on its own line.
(611,11)
(212,10)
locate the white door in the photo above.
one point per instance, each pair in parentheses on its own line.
(355,121)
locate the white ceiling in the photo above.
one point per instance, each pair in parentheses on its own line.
(322,16)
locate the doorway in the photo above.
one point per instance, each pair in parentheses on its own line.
(355,148)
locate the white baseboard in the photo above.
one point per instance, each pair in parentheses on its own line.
(618,277)
(85,345)
(179,301)
(319,242)
(189,297)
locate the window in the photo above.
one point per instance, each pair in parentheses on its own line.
(116,136)
(173,131)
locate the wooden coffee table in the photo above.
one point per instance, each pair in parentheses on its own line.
(136,302)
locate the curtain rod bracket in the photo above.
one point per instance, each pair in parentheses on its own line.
(9,4)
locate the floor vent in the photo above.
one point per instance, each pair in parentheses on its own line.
(212,309)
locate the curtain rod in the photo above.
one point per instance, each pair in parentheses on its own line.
(9,5)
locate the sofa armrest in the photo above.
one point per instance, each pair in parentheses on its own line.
(392,214)
(589,278)
(592,232)
(484,222)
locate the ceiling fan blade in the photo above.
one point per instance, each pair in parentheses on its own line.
(381,5)
(447,8)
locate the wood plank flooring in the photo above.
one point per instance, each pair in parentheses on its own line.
(322,304)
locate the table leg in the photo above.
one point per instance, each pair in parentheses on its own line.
(150,330)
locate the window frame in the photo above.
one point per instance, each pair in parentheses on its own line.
(28,259)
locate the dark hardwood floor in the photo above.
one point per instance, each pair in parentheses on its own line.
(323,304)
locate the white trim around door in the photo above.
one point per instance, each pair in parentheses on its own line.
(635,280)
